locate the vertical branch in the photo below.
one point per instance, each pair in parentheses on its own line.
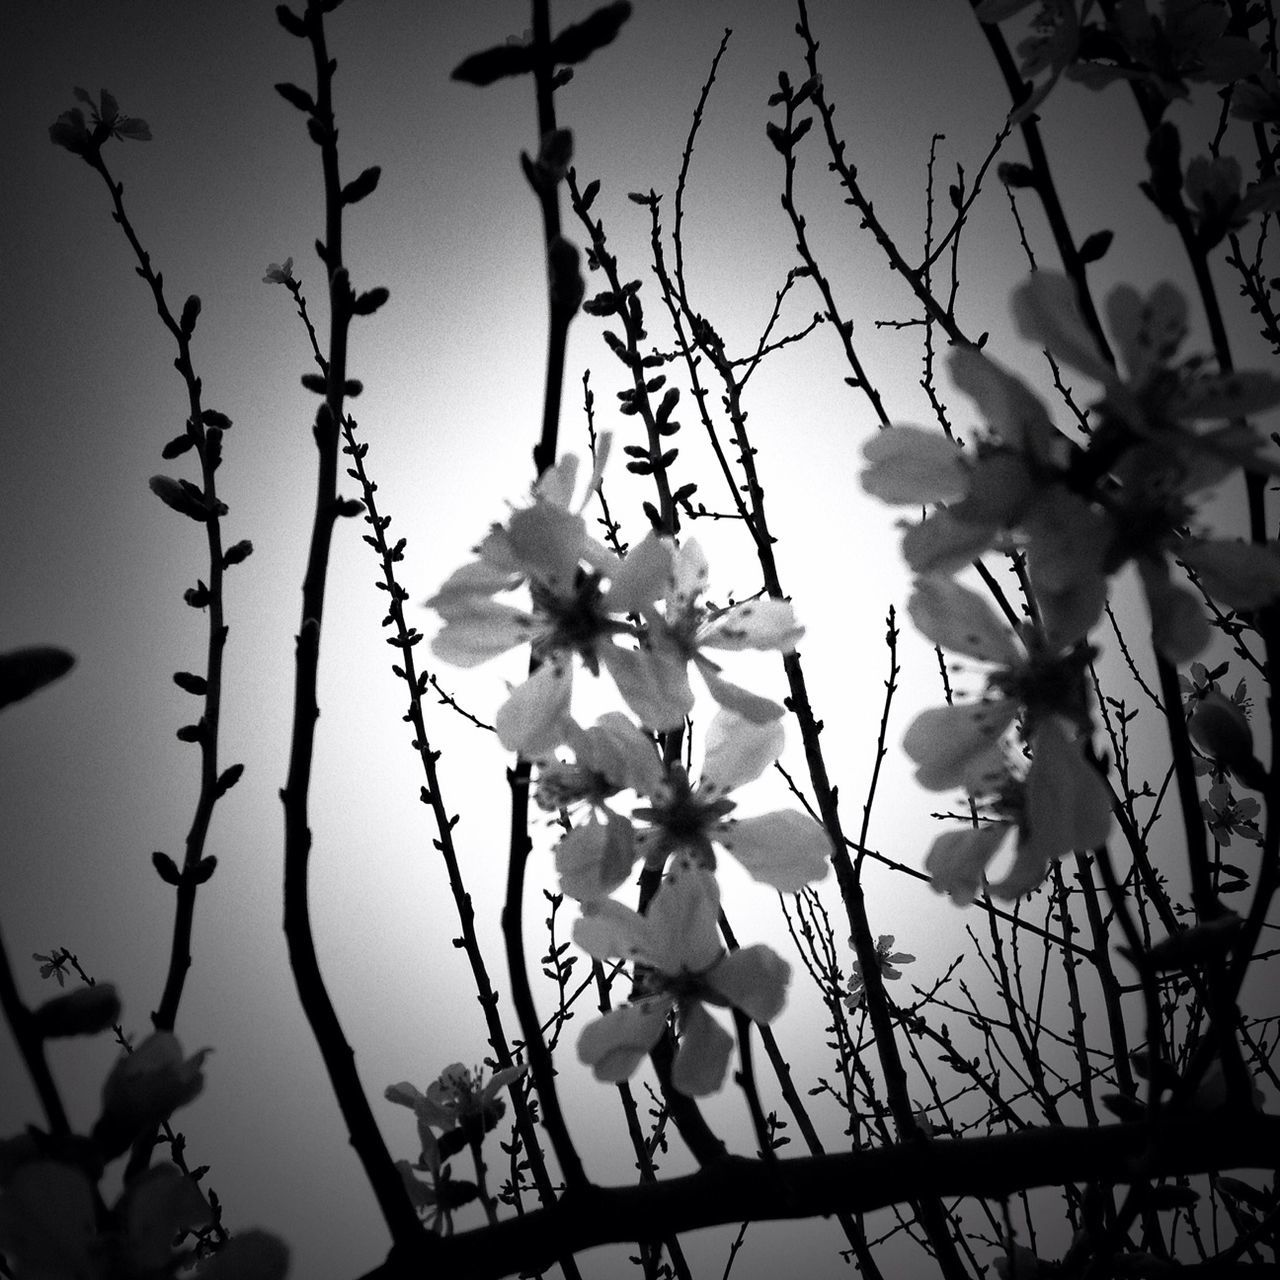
(338,1056)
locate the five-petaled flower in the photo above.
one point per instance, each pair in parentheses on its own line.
(581,593)
(682,966)
(279,273)
(105,121)
(785,849)
(886,960)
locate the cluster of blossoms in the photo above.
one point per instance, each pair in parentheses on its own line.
(641,618)
(1162,434)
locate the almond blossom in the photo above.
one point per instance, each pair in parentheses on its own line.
(887,960)
(581,593)
(785,849)
(684,968)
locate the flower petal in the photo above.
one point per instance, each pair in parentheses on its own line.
(478,578)
(641,578)
(1148,332)
(961,621)
(617,748)
(613,1046)
(753,979)
(479,629)
(959,746)
(738,751)
(785,849)
(754,624)
(594,859)
(703,1057)
(943,543)
(1179,629)
(548,542)
(913,465)
(1045,310)
(682,922)
(1240,575)
(653,682)
(1011,409)
(689,574)
(608,929)
(957,861)
(732,697)
(534,720)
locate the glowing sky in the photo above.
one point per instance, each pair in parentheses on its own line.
(93,780)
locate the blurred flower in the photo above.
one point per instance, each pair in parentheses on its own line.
(144,1088)
(1213,185)
(279,273)
(1059,806)
(1185,44)
(459,1103)
(961,745)
(684,968)
(886,959)
(785,849)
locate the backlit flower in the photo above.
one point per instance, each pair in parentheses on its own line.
(886,958)
(785,849)
(684,968)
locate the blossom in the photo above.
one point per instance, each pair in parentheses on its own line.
(53,965)
(687,627)
(1186,43)
(144,1087)
(459,1103)
(960,745)
(279,273)
(1157,399)
(578,588)
(785,849)
(684,969)
(1061,805)
(105,121)
(886,959)
(1228,816)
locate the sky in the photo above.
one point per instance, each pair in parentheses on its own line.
(94,780)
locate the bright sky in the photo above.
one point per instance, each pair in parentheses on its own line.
(93,778)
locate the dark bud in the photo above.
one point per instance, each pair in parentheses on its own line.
(212,418)
(361,186)
(296,97)
(203,870)
(79,1013)
(667,405)
(495,64)
(348,507)
(1015,174)
(176,447)
(237,553)
(352,387)
(314,382)
(603,304)
(580,40)
(23,671)
(190,310)
(564,275)
(368,302)
(191,682)
(290,21)
(956,196)
(589,193)
(197,597)
(779,137)
(228,779)
(191,732)
(652,512)
(180,497)
(166,868)
(555,154)
(684,493)
(1095,246)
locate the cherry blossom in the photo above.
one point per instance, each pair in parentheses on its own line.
(581,593)
(458,1103)
(683,968)
(785,849)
